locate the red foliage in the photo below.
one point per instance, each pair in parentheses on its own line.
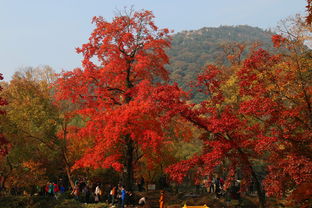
(261,126)
(302,195)
(278,40)
(121,62)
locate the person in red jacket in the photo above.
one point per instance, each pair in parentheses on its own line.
(55,190)
(47,189)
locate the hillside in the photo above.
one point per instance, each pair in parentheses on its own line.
(191,50)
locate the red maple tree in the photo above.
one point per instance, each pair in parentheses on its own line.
(122,64)
(256,116)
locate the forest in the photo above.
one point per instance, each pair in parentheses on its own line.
(148,110)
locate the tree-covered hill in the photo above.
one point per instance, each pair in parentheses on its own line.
(191,50)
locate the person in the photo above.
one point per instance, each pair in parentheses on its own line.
(235,193)
(86,193)
(46,188)
(62,189)
(123,196)
(81,184)
(218,187)
(51,189)
(113,194)
(221,182)
(141,184)
(142,201)
(162,199)
(211,185)
(118,195)
(75,192)
(55,190)
(97,193)
(130,198)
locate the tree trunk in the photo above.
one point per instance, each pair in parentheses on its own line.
(129,142)
(260,192)
(129,163)
(71,182)
(3,179)
(67,168)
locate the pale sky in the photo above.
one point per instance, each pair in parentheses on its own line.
(46,32)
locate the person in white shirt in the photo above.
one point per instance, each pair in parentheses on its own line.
(97,194)
(142,201)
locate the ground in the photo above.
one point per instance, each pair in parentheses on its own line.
(172,200)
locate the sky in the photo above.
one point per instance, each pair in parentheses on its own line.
(46,32)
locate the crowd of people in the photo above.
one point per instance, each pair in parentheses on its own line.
(86,191)
(54,190)
(216,186)
(117,195)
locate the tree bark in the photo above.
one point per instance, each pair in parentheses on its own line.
(260,192)
(129,163)
(3,179)
(67,168)
(129,142)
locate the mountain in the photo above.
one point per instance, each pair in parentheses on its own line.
(192,50)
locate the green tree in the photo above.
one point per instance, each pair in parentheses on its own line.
(36,126)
